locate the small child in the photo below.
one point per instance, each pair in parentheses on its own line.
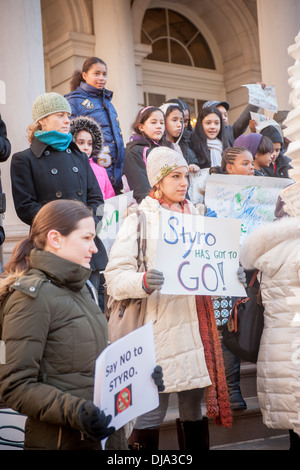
(87,135)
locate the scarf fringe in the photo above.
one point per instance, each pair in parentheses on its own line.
(217,398)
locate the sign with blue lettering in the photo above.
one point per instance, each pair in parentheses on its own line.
(199,255)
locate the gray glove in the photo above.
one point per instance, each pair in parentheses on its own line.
(153,280)
(242,276)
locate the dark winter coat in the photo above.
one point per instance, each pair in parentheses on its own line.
(53,333)
(5,147)
(240,125)
(41,174)
(134,167)
(86,100)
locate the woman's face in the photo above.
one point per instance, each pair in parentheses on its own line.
(174,186)
(243,165)
(59,122)
(174,124)
(154,126)
(96,76)
(84,141)
(211,125)
(78,246)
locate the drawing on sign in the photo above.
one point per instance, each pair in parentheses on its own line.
(123,399)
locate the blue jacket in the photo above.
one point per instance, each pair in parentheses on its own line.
(86,100)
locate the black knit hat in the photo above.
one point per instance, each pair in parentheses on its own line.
(84,123)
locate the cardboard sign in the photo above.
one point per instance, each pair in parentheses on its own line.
(264,121)
(263,98)
(250,199)
(198,255)
(113,209)
(291,197)
(124,387)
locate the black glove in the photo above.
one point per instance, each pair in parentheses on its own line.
(94,422)
(157,376)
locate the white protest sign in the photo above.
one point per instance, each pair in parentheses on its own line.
(123,387)
(264,121)
(2,92)
(114,209)
(198,255)
(291,197)
(197,186)
(250,199)
(263,98)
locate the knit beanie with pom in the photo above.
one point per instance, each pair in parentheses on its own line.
(49,103)
(161,161)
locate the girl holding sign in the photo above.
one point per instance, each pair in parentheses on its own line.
(182,349)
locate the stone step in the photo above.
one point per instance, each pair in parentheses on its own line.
(248,379)
(247,425)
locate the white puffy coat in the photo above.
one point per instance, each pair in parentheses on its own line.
(178,345)
(274,249)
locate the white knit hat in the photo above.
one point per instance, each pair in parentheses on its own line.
(49,103)
(161,161)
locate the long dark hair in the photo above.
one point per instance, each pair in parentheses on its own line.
(77,75)
(62,215)
(141,118)
(199,139)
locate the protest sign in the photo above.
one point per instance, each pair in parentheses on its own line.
(124,387)
(197,186)
(250,199)
(2,92)
(264,121)
(291,197)
(113,209)
(263,98)
(198,255)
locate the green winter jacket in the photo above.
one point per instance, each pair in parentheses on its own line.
(53,333)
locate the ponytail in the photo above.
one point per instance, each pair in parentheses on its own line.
(76,80)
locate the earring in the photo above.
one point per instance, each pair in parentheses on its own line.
(157,194)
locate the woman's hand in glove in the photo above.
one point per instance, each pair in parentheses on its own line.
(242,276)
(94,422)
(153,280)
(157,376)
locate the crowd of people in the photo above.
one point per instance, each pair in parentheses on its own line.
(52,289)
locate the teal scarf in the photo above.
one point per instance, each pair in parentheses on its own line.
(55,139)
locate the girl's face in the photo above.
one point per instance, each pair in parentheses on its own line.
(96,76)
(243,165)
(174,186)
(211,125)
(84,141)
(78,246)
(59,122)
(276,151)
(262,160)
(174,124)
(154,126)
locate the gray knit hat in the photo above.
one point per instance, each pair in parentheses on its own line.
(49,103)
(85,123)
(161,161)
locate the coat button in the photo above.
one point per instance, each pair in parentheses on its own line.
(47,152)
(32,289)
(68,151)
(79,192)
(54,171)
(58,194)
(75,169)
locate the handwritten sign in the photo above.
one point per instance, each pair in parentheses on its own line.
(291,197)
(124,387)
(250,199)
(264,121)
(114,210)
(263,98)
(197,186)
(198,255)
(2,92)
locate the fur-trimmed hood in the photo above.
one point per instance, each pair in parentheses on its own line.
(84,123)
(267,247)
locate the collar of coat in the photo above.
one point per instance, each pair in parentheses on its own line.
(37,147)
(94,91)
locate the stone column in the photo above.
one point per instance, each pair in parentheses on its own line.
(278,25)
(114,44)
(22,70)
